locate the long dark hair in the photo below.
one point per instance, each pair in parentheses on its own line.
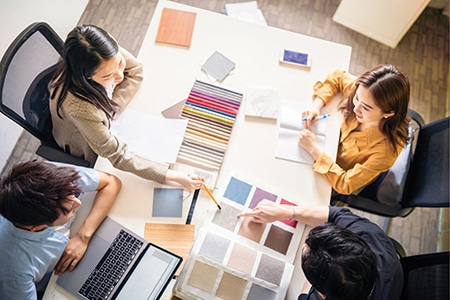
(391,90)
(85,48)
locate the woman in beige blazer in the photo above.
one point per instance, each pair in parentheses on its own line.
(95,81)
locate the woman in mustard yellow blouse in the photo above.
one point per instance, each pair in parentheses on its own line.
(373,131)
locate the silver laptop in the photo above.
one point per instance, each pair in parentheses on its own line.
(119,264)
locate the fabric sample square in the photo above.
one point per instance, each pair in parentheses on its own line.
(167,202)
(261,195)
(203,276)
(242,258)
(270,269)
(258,292)
(251,230)
(278,239)
(226,217)
(292,223)
(214,247)
(237,191)
(231,287)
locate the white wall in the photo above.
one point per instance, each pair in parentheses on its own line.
(15,15)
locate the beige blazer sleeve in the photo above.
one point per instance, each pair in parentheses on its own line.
(94,128)
(133,76)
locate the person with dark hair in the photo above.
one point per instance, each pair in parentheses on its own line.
(38,201)
(345,257)
(95,82)
(373,131)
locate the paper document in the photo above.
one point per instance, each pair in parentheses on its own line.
(290,125)
(246,11)
(158,139)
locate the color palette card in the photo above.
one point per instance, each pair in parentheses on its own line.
(233,258)
(279,239)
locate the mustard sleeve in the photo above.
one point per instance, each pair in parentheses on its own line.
(339,81)
(107,145)
(348,181)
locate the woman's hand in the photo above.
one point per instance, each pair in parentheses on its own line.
(267,211)
(309,115)
(314,111)
(307,140)
(189,181)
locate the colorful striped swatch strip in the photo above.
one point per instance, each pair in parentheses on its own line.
(211,112)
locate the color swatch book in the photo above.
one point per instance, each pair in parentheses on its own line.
(211,112)
(233,258)
(290,125)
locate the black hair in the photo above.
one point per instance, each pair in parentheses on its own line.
(33,192)
(339,263)
(85,49)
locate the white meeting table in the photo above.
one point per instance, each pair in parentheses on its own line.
(169,74)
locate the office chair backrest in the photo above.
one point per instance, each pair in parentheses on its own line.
(392,186)
(428,181)
(426,276)
(25,70)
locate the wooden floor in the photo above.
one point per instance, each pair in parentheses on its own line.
(423,54)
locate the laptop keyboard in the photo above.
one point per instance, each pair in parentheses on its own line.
(111,267)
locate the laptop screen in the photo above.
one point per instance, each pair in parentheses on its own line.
(151,274)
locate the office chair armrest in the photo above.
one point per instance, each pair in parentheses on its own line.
(56,155)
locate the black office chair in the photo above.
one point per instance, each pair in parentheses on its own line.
(25,71)
(419,177)
(426,276)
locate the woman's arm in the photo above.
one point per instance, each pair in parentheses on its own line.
(339,81)
(133,76)
(267,211)
(91,124)
(360,175)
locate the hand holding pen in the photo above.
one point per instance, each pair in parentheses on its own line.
(314,119)
(317,118)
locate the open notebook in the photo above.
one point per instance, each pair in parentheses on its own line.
(290,125)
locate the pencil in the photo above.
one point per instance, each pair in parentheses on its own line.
(210,194)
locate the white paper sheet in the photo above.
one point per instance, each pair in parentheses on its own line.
(246,11)
(158,139)
(290,125)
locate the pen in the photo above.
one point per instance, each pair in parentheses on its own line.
(318,117)
(210,194)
